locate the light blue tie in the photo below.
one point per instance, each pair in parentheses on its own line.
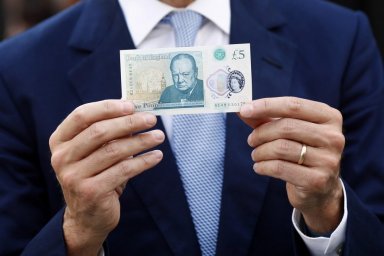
(199,145)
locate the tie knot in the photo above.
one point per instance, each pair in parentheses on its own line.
(186,24)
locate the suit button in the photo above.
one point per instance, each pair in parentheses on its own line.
(339,250)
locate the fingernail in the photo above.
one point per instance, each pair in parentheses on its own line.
(255,167)
(150,119)
(246,110)
(157,154)
(159,135)
(249,140)
(252,154)
(128,107)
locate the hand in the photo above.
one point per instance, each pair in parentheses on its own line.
(281,127)
(94,155)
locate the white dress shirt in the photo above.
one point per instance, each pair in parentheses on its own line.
(143,17)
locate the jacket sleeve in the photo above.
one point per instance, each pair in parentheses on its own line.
(24,205)
(362,165)
(50,240)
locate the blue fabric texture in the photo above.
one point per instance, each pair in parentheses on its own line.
(199,147)
(305,48)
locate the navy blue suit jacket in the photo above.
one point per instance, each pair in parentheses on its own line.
(303,48)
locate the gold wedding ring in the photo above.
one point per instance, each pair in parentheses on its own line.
(302,154)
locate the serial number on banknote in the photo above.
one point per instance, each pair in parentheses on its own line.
(187,80)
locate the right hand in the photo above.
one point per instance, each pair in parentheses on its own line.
(94,154)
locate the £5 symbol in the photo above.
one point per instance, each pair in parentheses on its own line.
(238,55)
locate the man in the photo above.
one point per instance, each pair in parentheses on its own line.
(186,86)
(298,146)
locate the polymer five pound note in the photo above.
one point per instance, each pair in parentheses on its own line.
(187,80)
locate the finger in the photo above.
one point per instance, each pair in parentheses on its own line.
(280,149)
(283,170)
(293,129)
(287,150)
(118,150)
(112,178)
(292,107)
(87,114)
(310,179)
(252,122)
(105,131)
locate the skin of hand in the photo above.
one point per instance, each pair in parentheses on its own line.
(95,151)
(280,128)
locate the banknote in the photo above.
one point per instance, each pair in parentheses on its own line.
(187,80)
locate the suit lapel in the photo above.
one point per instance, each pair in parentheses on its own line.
(98,37)
(272,65)
(272,55)
(162,191)
(97,77)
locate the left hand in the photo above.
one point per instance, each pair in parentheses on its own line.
(281,127)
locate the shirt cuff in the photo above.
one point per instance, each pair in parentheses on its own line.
(324,245)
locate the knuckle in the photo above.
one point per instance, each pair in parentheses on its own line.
(97,131)
(52,141)
(278,168)
(259,135)
(266,103)
(339,142)
(144,140)
(125,168)
(111,148)
(320,182)
(336,140)
(129,123)
(87,192)
(107,105)
(146,161)
(114,151)
(58,158)
(332,162)
(67,181)
(294,104)
(283,148)
(254,137)
(79,115)
(338,117)
(288,126)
